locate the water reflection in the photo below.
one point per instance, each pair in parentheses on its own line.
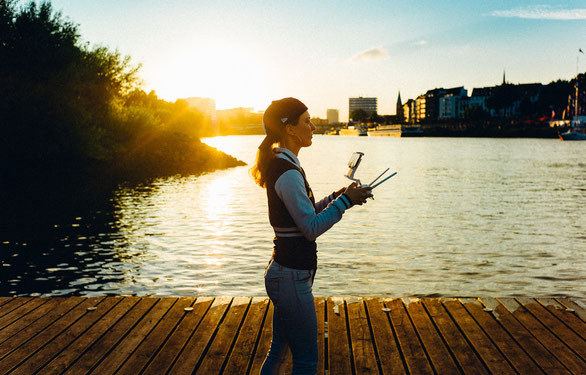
(58,236)
(466,217)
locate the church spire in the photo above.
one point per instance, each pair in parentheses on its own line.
(399,108)
(504,79)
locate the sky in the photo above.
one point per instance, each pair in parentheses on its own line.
(248,53)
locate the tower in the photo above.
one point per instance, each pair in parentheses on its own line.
(399,108)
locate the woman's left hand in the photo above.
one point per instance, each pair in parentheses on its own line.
(339,192)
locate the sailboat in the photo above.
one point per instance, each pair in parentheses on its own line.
(577,131)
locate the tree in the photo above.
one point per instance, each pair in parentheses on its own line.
(374,118)
(475,112)
(554,97)
(66,104)
(60,97)
(358,115)
(502,97)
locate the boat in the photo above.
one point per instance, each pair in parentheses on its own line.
(577,130)
(396,130)
(354,130)
(577,100)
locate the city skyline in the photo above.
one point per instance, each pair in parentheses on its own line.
(245,54)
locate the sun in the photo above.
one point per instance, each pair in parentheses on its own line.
(231,75)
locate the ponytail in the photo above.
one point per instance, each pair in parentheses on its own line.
(263,157)
(279,114)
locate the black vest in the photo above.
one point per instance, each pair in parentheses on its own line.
(294,252)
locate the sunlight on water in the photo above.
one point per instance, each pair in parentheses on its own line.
(463,217)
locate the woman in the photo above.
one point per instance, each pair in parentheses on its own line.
(297,221)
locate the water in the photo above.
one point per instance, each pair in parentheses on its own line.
(463,217)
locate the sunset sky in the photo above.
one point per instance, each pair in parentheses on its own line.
(247,53)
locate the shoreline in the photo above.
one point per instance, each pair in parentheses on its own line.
(201,159)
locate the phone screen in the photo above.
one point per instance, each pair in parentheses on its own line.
(354,159)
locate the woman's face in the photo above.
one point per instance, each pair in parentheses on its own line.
(304,130)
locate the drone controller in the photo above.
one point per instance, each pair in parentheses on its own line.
(353,164)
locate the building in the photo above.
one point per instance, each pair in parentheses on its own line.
(420,108)
(333,116)
(368,105)
(479,96)
(207,106)
(453,103)
(242,120)
(432,100)
(409,111)
(525,94)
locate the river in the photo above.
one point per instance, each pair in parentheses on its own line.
(463,217)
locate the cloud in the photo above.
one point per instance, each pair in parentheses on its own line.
(542,12)
(371,54)
(421,42)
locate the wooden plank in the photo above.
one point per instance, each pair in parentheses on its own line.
(4,300)
(560,330)
(21,311)
(552,343)
(569,318)
(66,337)
(173,346)
(105,343)
(362,346)
(44,337)
(546,361)
(38,325)
(13,304)
(490,355)
(570,304)
(226,335)
(154,340)
(384,338)
(320,310)
(440,357)
(67,357)
(28,319)
(57,335)
(412,350)
(190,356)
(116,358)
(464,353)
(338,347)
(264,341)
(243,351)
(507,345)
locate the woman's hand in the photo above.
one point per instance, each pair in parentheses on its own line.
(358,195)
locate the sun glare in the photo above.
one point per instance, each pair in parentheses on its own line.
(230,75)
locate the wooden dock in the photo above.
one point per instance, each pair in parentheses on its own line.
(132,335)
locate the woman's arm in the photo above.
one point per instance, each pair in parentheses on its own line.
(319,206)
(290,187)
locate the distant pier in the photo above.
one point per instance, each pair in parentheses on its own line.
(231,335)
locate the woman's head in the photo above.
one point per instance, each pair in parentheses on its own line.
(279,115)
(286,122)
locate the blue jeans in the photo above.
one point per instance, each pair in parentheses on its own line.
(294,319)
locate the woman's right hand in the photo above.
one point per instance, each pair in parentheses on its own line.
(358,195)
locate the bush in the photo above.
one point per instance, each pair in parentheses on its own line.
(63,103)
